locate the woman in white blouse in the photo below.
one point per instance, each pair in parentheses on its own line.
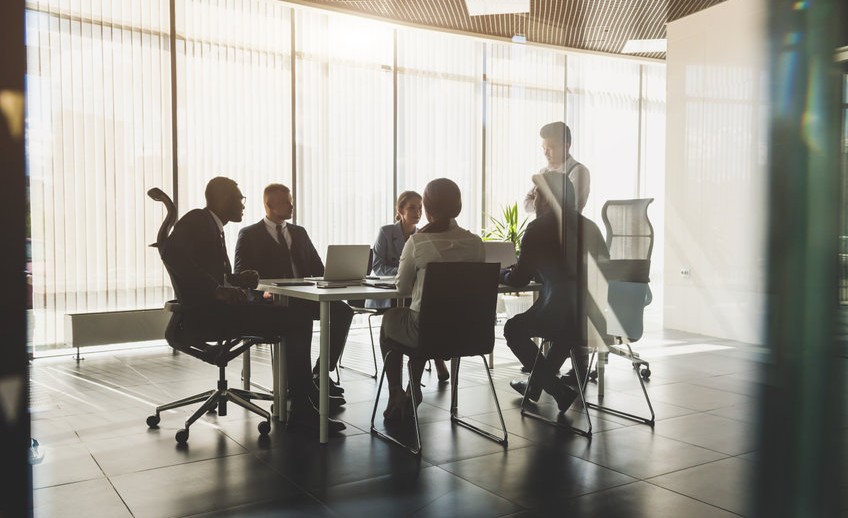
(441,240)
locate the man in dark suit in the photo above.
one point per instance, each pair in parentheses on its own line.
(278,249)
(216,300)
(557,255)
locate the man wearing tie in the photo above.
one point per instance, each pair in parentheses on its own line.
(215,299)
(278,249)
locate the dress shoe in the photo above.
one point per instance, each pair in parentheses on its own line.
(333,383)
(520,386)
(305,415)
(562,393)
(315,398)
(335,389)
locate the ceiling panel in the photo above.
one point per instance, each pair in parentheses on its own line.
(598,25)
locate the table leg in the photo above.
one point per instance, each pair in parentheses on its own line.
(324,408)
(280,382)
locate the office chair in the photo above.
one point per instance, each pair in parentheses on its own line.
(201,344)
(360,309)
(457,319)
(630,240)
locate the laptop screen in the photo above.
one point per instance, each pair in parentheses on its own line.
(500,252)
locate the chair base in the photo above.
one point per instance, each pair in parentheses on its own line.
(455,418)
(642,370)
(216,400)
(373,354)
(581,380)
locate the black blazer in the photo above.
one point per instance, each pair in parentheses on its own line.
(196,258)
(257,250)
(541,258)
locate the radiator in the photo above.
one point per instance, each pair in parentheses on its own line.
(115,327)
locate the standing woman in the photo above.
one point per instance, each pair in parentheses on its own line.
(389,245)
(441,240)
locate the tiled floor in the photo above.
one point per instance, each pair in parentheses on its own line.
(100,459)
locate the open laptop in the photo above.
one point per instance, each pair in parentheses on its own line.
(344,265)
(500,252)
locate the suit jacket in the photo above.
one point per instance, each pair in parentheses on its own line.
(387,249)
(196,258)
(542,258)
(257,250)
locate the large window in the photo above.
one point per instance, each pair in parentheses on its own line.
(347,111)
(344,127)
(233,100)
(439,115)
(98,136)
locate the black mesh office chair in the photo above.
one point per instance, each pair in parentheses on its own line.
(212,349)
(630,240)
(457,319)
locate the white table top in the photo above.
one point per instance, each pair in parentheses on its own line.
(327,294)
(355,292)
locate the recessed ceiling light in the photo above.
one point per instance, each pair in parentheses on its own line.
(644,46)
(484,7)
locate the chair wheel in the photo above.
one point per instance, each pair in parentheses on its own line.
(646,373)
(264,428)
(153,421)
(182,436)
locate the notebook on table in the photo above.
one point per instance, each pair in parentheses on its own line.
(500,252)
(344,265)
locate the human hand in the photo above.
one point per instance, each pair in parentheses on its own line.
(231,296)
(247,279)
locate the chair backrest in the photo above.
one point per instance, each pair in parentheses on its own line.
(630,239)
(630,234)
(165,228)
(458,304)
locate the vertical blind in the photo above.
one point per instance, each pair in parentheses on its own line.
(233,100)
(347,111)
(98,135)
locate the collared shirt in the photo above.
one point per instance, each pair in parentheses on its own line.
(272,229)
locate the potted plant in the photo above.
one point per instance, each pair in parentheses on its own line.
(508,228)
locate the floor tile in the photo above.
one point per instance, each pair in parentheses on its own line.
(203,486)
(725,483)
(709,431)
(638,452)
(544,477)
(79,500)
(639,500)
(430,492)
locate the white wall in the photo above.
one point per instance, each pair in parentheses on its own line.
(715,214)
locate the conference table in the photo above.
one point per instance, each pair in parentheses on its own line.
(324,296)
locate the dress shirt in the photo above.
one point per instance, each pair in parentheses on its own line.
(579,176)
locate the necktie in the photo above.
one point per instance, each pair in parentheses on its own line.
(286,255)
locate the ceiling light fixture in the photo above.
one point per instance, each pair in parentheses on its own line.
(644,46)
(488,7)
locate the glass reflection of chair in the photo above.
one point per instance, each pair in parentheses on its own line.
(208,347)
(630,240)
(457,319)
